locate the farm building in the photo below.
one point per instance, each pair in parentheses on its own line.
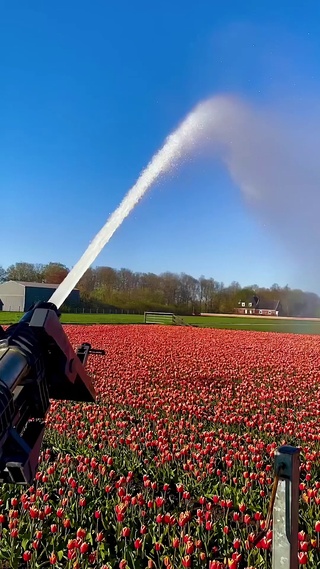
(19,296)
(259,307)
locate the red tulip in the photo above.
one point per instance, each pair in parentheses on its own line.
(126,532)
(53,558)
(189,547)
(84,547)
(81,533)
(158,546)
(27,555)
(159,501)
(302,558)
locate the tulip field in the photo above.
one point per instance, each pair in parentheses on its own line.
(173,466)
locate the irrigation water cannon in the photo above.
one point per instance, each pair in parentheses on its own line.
(37,363)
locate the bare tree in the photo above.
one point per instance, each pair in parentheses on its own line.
(23,272)
(87,283)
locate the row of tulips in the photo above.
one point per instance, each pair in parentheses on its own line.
(173,467)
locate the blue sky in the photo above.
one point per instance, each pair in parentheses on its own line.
(89,91)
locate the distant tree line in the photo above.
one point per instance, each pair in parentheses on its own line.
(52,273)
(123,289)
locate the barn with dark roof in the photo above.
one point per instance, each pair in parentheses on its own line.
(259,307)
(19,296)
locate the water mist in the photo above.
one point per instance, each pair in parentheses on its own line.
(274,163)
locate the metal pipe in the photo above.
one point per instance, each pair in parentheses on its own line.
(286,509)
